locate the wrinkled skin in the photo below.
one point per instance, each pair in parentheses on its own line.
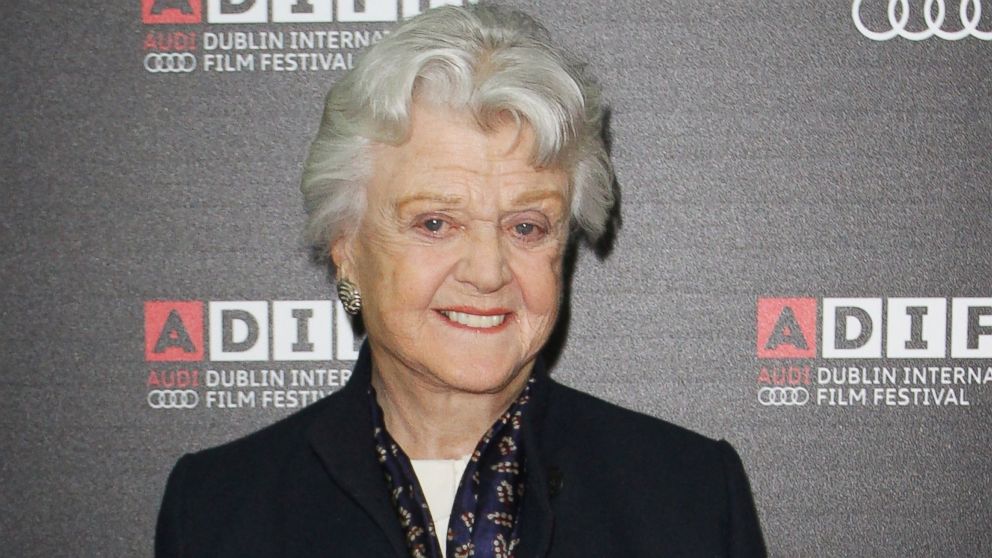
(458,219)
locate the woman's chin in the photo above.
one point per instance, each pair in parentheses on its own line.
(479,378)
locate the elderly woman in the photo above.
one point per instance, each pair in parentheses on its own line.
(452,168)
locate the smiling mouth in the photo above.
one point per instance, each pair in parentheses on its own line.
(477,321)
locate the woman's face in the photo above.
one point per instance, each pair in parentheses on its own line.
(459,254)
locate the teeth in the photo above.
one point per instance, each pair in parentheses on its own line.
(473,320)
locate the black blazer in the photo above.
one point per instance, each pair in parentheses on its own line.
(602,482)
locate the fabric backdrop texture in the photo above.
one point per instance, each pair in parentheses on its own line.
(801,263)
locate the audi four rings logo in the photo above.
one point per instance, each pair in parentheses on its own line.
(898,12)
(173,399)
(170,62)
(777,396)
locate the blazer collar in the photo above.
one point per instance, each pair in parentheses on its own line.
(536,516)
(342,438)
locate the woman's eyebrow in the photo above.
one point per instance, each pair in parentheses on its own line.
(531,196)
(436,197)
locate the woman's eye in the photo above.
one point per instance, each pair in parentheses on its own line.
(528,231)
(433,225)
(524,229)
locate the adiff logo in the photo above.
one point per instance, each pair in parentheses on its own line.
(171,11)
(283,11)
(911,327)
(243,331)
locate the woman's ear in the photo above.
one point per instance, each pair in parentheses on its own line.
(343,256)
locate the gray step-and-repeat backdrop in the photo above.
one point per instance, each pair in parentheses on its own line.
(803,265)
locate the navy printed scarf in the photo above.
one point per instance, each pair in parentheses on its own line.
(484,519)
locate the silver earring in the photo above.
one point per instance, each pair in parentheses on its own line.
(349,296)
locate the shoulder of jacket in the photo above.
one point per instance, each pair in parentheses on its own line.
(263,447)
(582,417)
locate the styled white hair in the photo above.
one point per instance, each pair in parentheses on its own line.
(488,60)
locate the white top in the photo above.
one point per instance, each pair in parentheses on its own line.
(439,480)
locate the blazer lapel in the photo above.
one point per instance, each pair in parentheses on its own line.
(536,516)
(342,438)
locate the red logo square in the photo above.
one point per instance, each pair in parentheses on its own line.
(173,330)
(786,327)
(171,11)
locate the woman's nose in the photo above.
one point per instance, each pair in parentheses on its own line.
(484,264)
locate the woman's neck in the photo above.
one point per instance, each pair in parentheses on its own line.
(437,422)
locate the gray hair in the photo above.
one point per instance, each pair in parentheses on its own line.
(489,60)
